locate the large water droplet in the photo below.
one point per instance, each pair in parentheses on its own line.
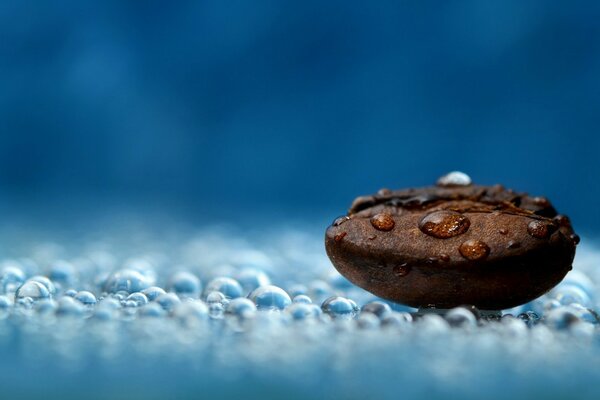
(228,286)
(340,220)
(186,284)
(339,307)
(474,250)
(383,222)
(32,289)
(127,280)
(540,229)
(454,178)
(270,297)
(444,224)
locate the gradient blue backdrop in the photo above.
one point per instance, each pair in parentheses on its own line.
(297,106)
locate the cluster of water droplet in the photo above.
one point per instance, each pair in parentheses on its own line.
(275,306)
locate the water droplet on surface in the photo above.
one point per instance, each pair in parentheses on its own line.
(454,178)
(168,301)
(215,297)
(186,284)
(575,238)
(461,317)
(302,298)
(378,308)
(44,281)
(138,298)
(444,257)
(11,277)
(68,307)
(153,292)
(33,290)
(301,311)
(85,298)
(397,319)
(503,231)
(340,236)
(252,278)
(384,192)
(383,222)
(270,297)
(367,321)
(126,280)
(340,220)
(228,286)
(152,310)
(444,224)
(241,307)
(339,307)
(474,250)
(401,270)
(540,229)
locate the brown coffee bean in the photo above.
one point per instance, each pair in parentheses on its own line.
(452,244)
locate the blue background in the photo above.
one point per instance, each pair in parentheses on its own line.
(296,107)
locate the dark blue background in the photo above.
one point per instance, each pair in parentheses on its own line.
(296,106)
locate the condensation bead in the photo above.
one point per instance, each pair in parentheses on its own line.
(241,307)
(68,307)
(461,317)
(11,277)
(186,284)
(252,278)
(152,310)
(167,301)
(70,293)
(397,319)
(215,297)
(302,298)
(86,298)
(339,307)
(228,286)
(300,311)
(432,324)
(33,290)
(378,308)
(270,297)
(138,298)
(153,292)
(44,281)
(367,321)
(126,280)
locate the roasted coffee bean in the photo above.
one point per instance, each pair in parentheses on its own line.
(452,244)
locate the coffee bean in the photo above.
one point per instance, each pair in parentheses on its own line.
(452,244)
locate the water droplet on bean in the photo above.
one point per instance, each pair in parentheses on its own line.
(340,220)
(454,178)
(540,229)
(383,222)
(444,224)
(474,250)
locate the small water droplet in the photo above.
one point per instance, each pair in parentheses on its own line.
(383,222)
(340,236)
(540,229)
(340,220)
(384,192)
(575,238)
(444,257)
(541,201)
(512,244)
(454,178)
(444,224)
(474,250)
(503,231)
(402,269)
